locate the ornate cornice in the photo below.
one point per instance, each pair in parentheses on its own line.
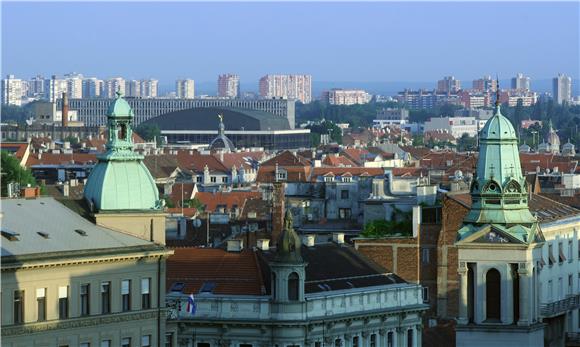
(33,328)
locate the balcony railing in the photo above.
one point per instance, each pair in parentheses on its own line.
(571,302)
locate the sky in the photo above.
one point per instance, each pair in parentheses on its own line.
(370,42)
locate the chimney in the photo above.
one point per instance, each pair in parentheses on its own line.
(235,245)
(263,244)
(338,238)
(64,110)
(309,240)
(416,220)
(278,209)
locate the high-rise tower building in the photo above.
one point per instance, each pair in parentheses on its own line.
(562,88)
(13,89)
(521,82)
(185,89)
(229,86)
(112,86)
(448,85)
(298,87)
(485,84)
(54,87)
(74,85)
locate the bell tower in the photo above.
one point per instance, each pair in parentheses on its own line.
(499,248)
(120,190)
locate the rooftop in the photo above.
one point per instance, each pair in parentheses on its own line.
(44,225)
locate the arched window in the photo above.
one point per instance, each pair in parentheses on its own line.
(493,295)
(293,286)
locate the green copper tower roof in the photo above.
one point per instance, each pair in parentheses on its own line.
(120,181)
(499,192)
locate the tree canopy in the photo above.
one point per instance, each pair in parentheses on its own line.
(13,172)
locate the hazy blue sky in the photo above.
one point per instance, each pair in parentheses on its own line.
(332,41)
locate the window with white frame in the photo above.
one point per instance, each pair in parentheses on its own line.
(146,341)
(145,293)
(328,178)
(126,295)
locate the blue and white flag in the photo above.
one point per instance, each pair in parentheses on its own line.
(191,305)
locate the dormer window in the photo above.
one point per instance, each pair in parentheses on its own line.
(346,179)
(281,176)
(328,178)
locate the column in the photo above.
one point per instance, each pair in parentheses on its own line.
(400,337)
(463,293)
(419,335)
(365,336)
(382,337)
(347,340)
(523,273)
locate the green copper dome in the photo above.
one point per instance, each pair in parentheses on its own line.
(120,108)
(120,181)
(499,192)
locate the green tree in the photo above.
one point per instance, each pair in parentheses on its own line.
(13,172)
(148,131)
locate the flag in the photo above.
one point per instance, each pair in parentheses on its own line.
(191,305)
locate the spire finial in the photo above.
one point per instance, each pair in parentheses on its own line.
(496,91)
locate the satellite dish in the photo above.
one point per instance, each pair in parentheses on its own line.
(458,174)
(196,223)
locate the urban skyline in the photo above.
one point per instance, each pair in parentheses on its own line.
(208,59)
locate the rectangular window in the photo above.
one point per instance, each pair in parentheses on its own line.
(425,294)
(41,304)
(570,250)
(85,344)
(105,297)
(355,341)
(106,343)
(199,179)
(551,259)
(373,340)
(561,257)
(410,338)
(344,194)
(18,306)
(63,302)
(317,344)
(126,342)
(146,341)
(560,288)
(145,293)
(224,180)
(169,340)
(126,295)
(570,284)
(550,290)
(213,179)
(85,290)
(390,340)
(344,213)
(425,255)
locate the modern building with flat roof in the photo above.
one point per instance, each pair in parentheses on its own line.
(92,111)
(245,128)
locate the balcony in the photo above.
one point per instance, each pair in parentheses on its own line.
(556,308)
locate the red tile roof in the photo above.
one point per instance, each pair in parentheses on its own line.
(227,199)
(232,273)
(337,160)
(176,192)
(60,159)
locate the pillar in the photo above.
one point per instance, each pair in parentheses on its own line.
(523,273)
(463,284)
